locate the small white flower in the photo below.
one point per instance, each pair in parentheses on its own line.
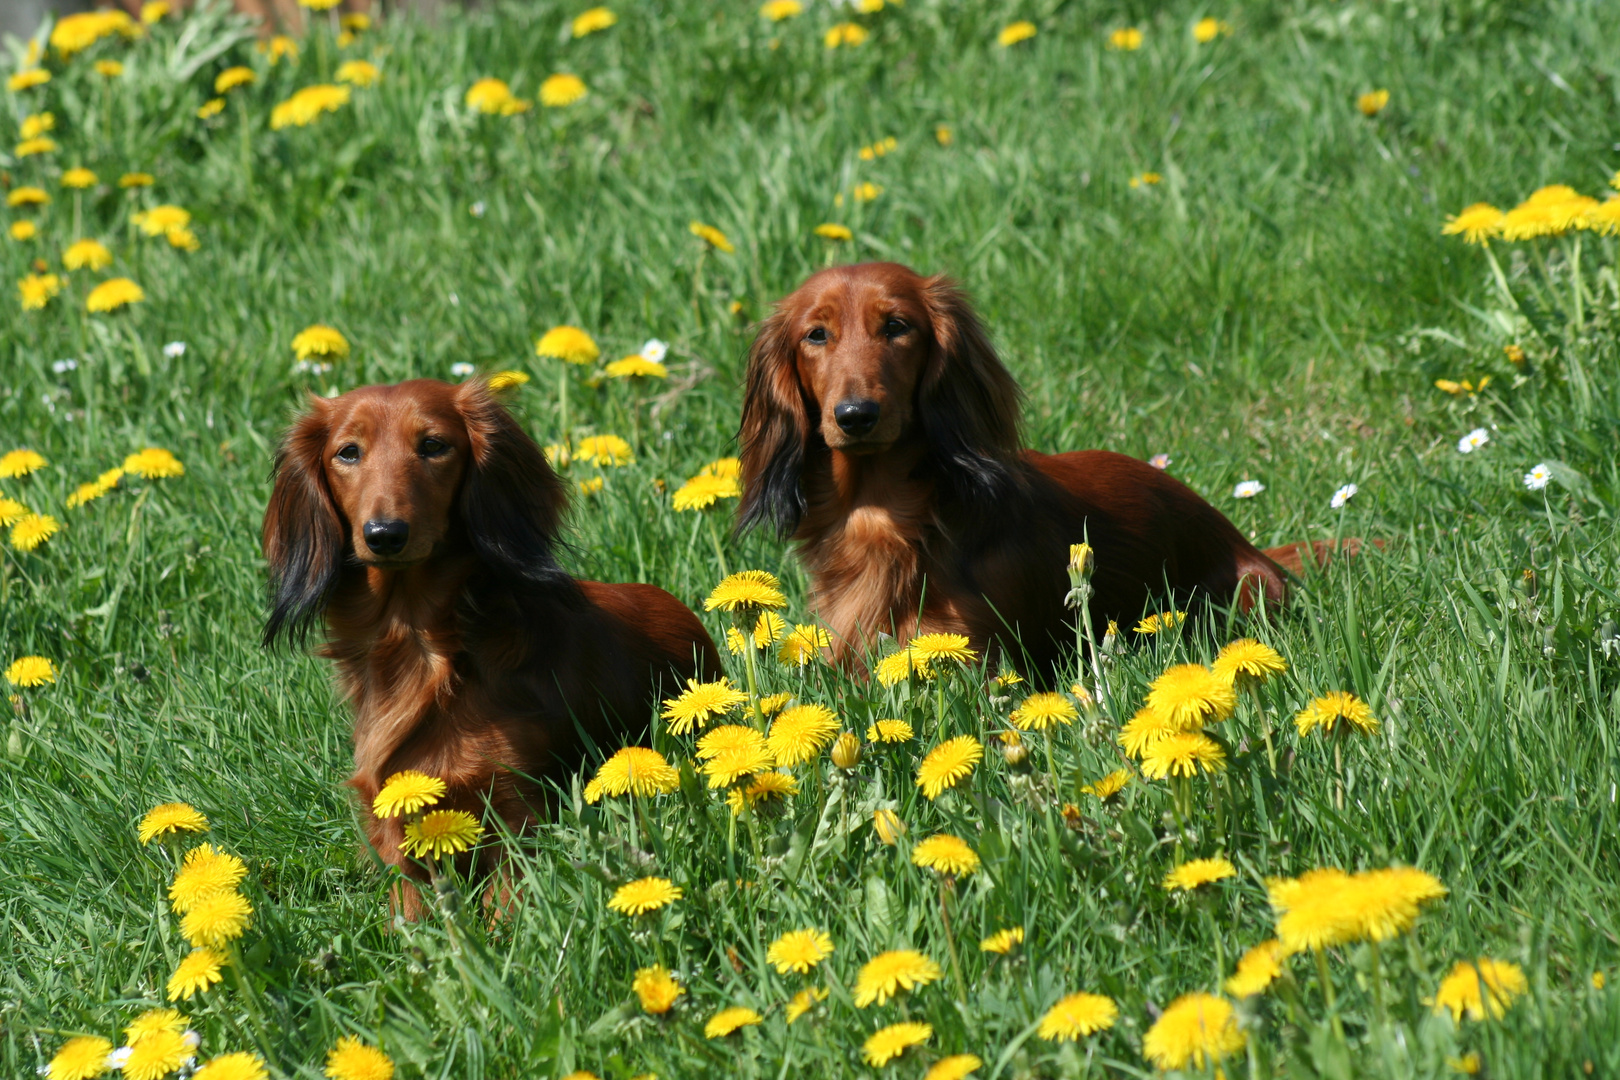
(62,367)
(191,1039)
(1537,478)
(174,350)
(1473,441)
(1248,489)
(477,209)
(461,369)
(119,1057)
(655,350)
(1344,495)
(311,367)
(1160,461)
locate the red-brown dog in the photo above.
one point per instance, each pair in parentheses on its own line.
(418,520)
(880,431)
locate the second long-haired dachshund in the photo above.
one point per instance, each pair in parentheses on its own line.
(418,521)
(880,431)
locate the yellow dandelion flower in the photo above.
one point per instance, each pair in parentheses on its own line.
(886,1044)
(232,77)
(948,765)
(589,22)
(702,492)
(216,919)
(740,761)
(441,832)
(804,644)
(211,107)
(1246,662)
(79,1058)
(171,818)
(1195,873)
(1182,754)
(154,1020)
(1373,102)
(636,771)
(307,105)
(699,703)
(1041,711)
(36,290)
(87,255)
(352,1059)
(358,72)
(154,463)
(238,1066)
(711,236)
(635,367)
(17,463)
(78,178)
(502,381)
(1477,224)
(1604,219)
(1013,33)
(154,11)
(561,90)
(866,192)
(279,47)
(30,671)
(1109,786)
(1003,941)
(1256,969)
(93,489)
(113,294)
(889,731)
(765,787)
(1164,620)
(1480,988)
(803,1002)
(1188,696)
(799,951)
(729,1021)
(1468,1064)
(33,530)
(26,195)
(830,231)
(182,239)
(1125,39)
(1077,1016)
(1147,179)
(136,180)
(954,1067)
(322,342)
(592,486)
(846,34)
(1195,1028)
(777,10)
(604,451)
(27,80)
(886,974)
(160,219)
(745,590)
(491,96)
(799,734)
(203,873)
(30,147)
(37,124)
(643,895)
(1383,904)
(768,629)
(888,826)
(24,230)
(899,666)
(946,854)
(198,970)
(11,512)
(1326,713)
(657,989)
(407,792)
(1208,28)
(156,1054)
(934,648)
(109,69)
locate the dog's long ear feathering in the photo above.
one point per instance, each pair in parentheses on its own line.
(776,425)
(512,501)
(303,534)
(968,401)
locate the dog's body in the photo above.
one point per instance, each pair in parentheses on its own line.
(880,431)
(418,521)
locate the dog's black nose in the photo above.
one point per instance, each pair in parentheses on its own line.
(857,417)
(387,536)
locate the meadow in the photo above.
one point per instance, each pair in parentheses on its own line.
(1214,234)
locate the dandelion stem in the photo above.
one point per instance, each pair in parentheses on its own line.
(1327,994)
(251,999)
(950,943)
(719,551)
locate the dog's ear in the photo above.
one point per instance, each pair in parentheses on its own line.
(303,533)
(968,401)
(512,501)
(776,426)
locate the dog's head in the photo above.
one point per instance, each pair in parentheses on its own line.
(861,358)
(389,476)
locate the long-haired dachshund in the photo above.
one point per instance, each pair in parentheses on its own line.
(880,431)
(418,520)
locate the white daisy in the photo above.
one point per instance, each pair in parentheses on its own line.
(1538,477)
(310,367)
(174,350)
(62,367)
(118,1057)
(477,209)
(461,369)
(1344,495)
(655,350)
(1473,441)
(1248,489)
(1160,461)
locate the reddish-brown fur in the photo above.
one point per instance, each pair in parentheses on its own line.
(467,654)
(936,519)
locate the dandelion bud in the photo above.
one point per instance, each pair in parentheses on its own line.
(846,752)
(1016,755)
(1082,559)
(1514,354)
(888,826)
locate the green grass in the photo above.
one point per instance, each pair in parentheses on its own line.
(1277,308)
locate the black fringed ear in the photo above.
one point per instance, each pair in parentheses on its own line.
(775,429)
(512,501)
(968,402)
(303,532)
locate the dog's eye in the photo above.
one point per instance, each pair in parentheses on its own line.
(432,447)
(349,454)
(818,336)
(895,327)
